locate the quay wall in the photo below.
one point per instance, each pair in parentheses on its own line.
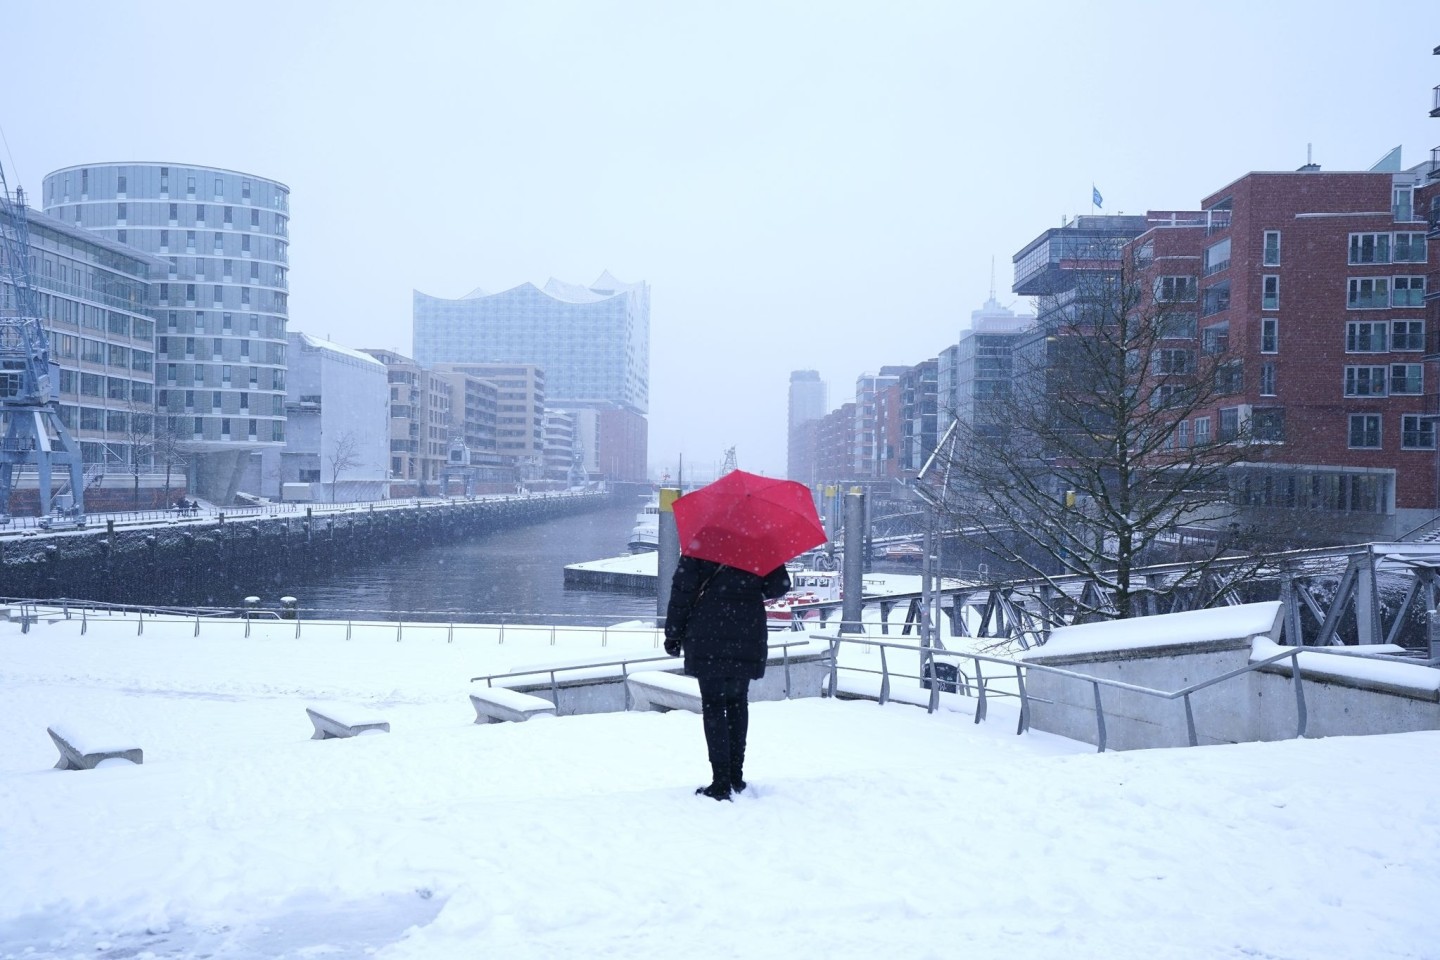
(193,560)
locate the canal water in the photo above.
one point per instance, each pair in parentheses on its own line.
(514,575)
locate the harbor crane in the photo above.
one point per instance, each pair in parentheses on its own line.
(31,430)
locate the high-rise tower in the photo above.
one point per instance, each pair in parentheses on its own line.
(221,308)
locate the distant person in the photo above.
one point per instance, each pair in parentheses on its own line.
(716,618)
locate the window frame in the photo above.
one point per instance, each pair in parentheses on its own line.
(1367,431)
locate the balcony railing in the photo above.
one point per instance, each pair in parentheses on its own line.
(1219,220)
(1214,268)
(1435,110)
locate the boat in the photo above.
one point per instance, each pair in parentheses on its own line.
(645,536)
(903,553)
(806,586)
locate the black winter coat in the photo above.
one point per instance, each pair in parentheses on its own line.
(718,614)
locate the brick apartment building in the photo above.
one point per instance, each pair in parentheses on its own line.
(1312,285)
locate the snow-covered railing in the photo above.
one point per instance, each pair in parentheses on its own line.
(589,668)
(981,684)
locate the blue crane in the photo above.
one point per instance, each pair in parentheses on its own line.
(31,430)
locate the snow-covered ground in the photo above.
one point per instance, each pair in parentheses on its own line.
(869,831)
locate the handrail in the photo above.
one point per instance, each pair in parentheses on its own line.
(928,655)
(624,664)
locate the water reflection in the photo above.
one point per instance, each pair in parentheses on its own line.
(514,576)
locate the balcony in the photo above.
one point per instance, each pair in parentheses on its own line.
(1435,110)
(1219,220)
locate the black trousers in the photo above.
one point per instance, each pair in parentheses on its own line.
(725,709)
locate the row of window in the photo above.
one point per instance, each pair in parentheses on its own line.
(1365,430)
(1361,293)
(228,375)
(122,185)
(1398,247)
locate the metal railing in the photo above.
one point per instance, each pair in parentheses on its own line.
(624,663)
(981,684)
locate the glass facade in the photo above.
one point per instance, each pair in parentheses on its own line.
(220,302)
(94,298)
(593,343)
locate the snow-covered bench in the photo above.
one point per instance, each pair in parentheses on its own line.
(81,752)
(333,722)
(497,705)
(656,690)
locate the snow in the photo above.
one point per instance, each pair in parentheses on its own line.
(1192,626)
(867,830)
(1412,678)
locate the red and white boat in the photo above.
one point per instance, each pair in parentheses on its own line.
(806,586)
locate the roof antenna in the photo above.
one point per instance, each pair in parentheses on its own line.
(992,276)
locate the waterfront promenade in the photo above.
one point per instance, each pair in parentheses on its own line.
(870,830)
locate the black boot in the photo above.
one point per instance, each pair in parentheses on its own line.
(716,791)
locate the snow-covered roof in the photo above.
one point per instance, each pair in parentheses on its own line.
(605,287)
(315,343)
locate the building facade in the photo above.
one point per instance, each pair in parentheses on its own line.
(221,304)
(96,301)
(519,412)
(593,342)
(1313,285)
(808,398)
(337,444)
(419,425)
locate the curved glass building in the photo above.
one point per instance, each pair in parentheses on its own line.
(220,307)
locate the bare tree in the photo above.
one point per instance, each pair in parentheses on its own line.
(344,455)
(152,441)
(1093,463)
(165,447)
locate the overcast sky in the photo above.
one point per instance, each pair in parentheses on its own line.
(818,185)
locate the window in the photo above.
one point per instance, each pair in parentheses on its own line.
(245,244)
(254,219)
(1230,378)
(1229,423)
(1272,248)
(1270,292)
(164,181)
(1417,432)
(1409,292)
(190,186)
(1368,293)
(244,189)
(1217,299)
(219,188)
(1268,423)
(1182,434)
(121,236)
(1216,339)
(1406,378)
(164,240)
(1365,431)
(1365,336)
(1217,257)
(1402,205)
(1169,395)
(1269,335)
(1202,431)
(200,214)
(90,384)
(121,212)
(189,241)
(1409,248)
(1364,381)
(229,216)
(1407,335)
(1175,289)
(1369,248)
(1173,361)
(174,213)
(190,293)
(225,323)
(120,182)
(1267,380)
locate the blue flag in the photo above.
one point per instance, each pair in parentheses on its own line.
(1095,197)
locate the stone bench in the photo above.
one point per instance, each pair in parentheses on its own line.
(498,705)
(655,690)
(337,722)
(78,752)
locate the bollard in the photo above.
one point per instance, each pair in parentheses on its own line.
(288,610)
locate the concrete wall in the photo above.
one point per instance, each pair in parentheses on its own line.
(607,694)
(1260,705)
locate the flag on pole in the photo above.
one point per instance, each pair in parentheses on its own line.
(1095,197)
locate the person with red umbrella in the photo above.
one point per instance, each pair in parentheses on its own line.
(735,536)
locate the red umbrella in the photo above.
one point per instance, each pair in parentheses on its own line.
(747,521)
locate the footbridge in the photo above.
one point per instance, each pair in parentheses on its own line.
(1349,595)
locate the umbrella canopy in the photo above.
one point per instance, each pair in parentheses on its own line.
(747,521)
